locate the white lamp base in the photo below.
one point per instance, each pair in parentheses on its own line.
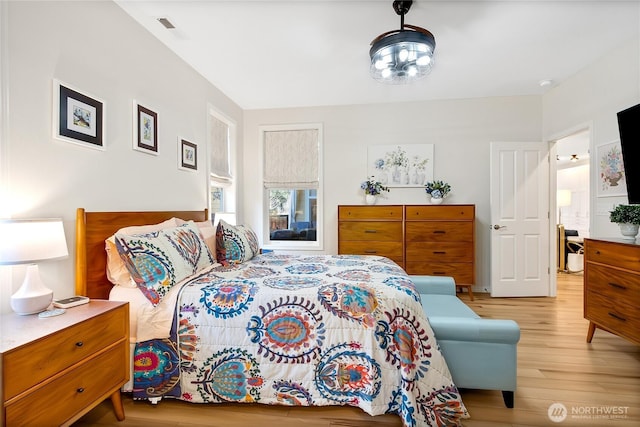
(33,296)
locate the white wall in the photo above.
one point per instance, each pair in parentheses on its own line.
(594,96)
(461,131)
(98,48)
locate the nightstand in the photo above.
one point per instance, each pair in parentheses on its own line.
(54,370)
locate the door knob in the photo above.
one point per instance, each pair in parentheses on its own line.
(498,227)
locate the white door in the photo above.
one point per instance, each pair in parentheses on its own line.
(519,219)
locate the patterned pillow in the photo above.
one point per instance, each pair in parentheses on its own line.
(235,243)
(160,259)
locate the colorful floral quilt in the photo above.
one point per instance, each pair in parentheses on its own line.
(303,330)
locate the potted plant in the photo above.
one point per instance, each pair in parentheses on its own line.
(372,188)
(628,218)
(438,190)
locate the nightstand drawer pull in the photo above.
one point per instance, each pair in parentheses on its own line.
(439,232)
(439,252)
(80,389)
(370,231)
(370,252)
(439,273)
(615,285)
(79,344)
(615,316)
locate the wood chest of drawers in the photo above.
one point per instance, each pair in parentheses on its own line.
(54,370)
(612,287)
(371,230)
(436,240)
(439,241)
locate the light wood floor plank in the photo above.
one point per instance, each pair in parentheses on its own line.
(555,365)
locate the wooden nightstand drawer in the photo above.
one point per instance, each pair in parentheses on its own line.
(60,399)
(370,231)
(391,212)
(428,231)
(40,359)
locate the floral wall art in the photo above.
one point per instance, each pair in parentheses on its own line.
(611,177)
(401,165)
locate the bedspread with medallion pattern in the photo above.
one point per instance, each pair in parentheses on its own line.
(303,330)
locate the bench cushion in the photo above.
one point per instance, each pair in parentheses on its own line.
(445,306)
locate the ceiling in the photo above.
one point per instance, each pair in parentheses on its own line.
(293,53)
(576,144)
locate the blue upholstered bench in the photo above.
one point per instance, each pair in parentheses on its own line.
(481,353)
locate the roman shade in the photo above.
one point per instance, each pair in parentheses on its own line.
(219,134)
(291,159)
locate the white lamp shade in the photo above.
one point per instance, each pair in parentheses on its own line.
(564,198)
(27,241)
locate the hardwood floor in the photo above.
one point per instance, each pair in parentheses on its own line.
(598,383)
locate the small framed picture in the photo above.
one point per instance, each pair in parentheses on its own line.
(188,155)
(78,117)
(145,132)
(611,177)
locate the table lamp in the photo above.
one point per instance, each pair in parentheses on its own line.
(563,200)
(28,241)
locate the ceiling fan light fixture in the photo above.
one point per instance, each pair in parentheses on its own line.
(403,55)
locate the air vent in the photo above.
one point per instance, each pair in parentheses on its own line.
(167,24)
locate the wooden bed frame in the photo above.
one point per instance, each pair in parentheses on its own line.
(93,228)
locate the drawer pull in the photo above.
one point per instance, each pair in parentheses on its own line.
(615,316)
(79,344)
(80,389)
(439,273)
(370,252)
(597,252)
(439,252)
(370,231)
(439,232)
(615,285)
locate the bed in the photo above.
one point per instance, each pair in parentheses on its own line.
(298,330)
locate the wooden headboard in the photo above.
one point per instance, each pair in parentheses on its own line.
(93,228)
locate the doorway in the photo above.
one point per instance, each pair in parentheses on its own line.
(572,200)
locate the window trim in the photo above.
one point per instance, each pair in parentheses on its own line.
(292,245)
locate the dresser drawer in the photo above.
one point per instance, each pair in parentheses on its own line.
(621,317)
(388,249)
(440,251)
(390,212)
(618,285)
(447,212)
(30,364)
(428,231)
(461,272)
(371,231)
(609,253)
(66,395)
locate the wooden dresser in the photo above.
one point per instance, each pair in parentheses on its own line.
(372,230)
(56,369)
(612,287)
(439,241)
(436,240)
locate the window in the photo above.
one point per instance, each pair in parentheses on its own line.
(222,188)
(292,186)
